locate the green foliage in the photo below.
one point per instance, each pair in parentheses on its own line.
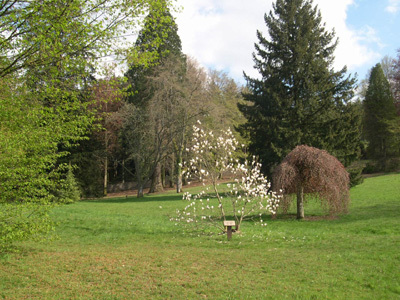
(355,171)
(138,139)
(47,35)
(69,191)
(159,37)
(29,140)
(22,221)
(381,122)
(154,90)
(48,53)
(87,159)
(392,164)
(299,99)
(223,111)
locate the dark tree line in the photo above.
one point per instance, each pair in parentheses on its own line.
(299,99)
(145,133)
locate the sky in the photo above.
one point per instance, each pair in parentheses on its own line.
(220,34)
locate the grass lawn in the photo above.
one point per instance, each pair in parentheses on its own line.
(126,248)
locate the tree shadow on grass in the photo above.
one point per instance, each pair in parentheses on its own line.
(130,199)
(371,212)
(307,217)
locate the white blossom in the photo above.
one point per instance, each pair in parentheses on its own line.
(211,155)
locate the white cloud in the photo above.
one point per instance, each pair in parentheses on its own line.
(353,49)
(221,33)
(393,6)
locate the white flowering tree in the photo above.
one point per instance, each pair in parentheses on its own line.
(247,196)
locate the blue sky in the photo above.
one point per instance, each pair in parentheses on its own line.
(220,34)
(382,20)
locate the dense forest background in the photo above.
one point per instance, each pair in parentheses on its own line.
(147,115)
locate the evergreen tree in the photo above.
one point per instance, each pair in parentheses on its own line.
(69,191)
(396,81)
(299,98)
(160,38)
(380,117)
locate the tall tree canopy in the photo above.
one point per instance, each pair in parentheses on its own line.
(381,122)
(396,81)
(299,98)
(48,50)
(157,40)
(146,115)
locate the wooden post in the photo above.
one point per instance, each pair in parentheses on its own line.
(229,225)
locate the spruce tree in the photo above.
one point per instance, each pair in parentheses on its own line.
(299,98)
(380,117)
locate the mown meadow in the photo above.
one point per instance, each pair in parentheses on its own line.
(127,248)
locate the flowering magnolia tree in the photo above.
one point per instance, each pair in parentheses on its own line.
(249,196)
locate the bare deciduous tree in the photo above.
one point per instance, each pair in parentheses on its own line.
(179,96)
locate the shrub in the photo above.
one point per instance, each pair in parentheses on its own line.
(355,171)
(70,191)
(392,164)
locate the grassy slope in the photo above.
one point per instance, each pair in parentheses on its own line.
(128,249)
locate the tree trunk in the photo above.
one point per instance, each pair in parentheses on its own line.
(156,184)
(105,176)
(139,179)
(178,165)
(179,183)
(300,201)
(163,176)
(123,171)
(172,172)
(140,191)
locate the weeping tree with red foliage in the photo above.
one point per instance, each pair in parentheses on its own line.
(308,170)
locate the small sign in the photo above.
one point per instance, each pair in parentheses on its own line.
(229,223)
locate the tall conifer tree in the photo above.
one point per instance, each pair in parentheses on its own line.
(299,98)
(159,38)
(381,123)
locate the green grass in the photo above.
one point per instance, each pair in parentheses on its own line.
(127,248)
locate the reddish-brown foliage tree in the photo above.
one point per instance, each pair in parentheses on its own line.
(308,170)
(107,95)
